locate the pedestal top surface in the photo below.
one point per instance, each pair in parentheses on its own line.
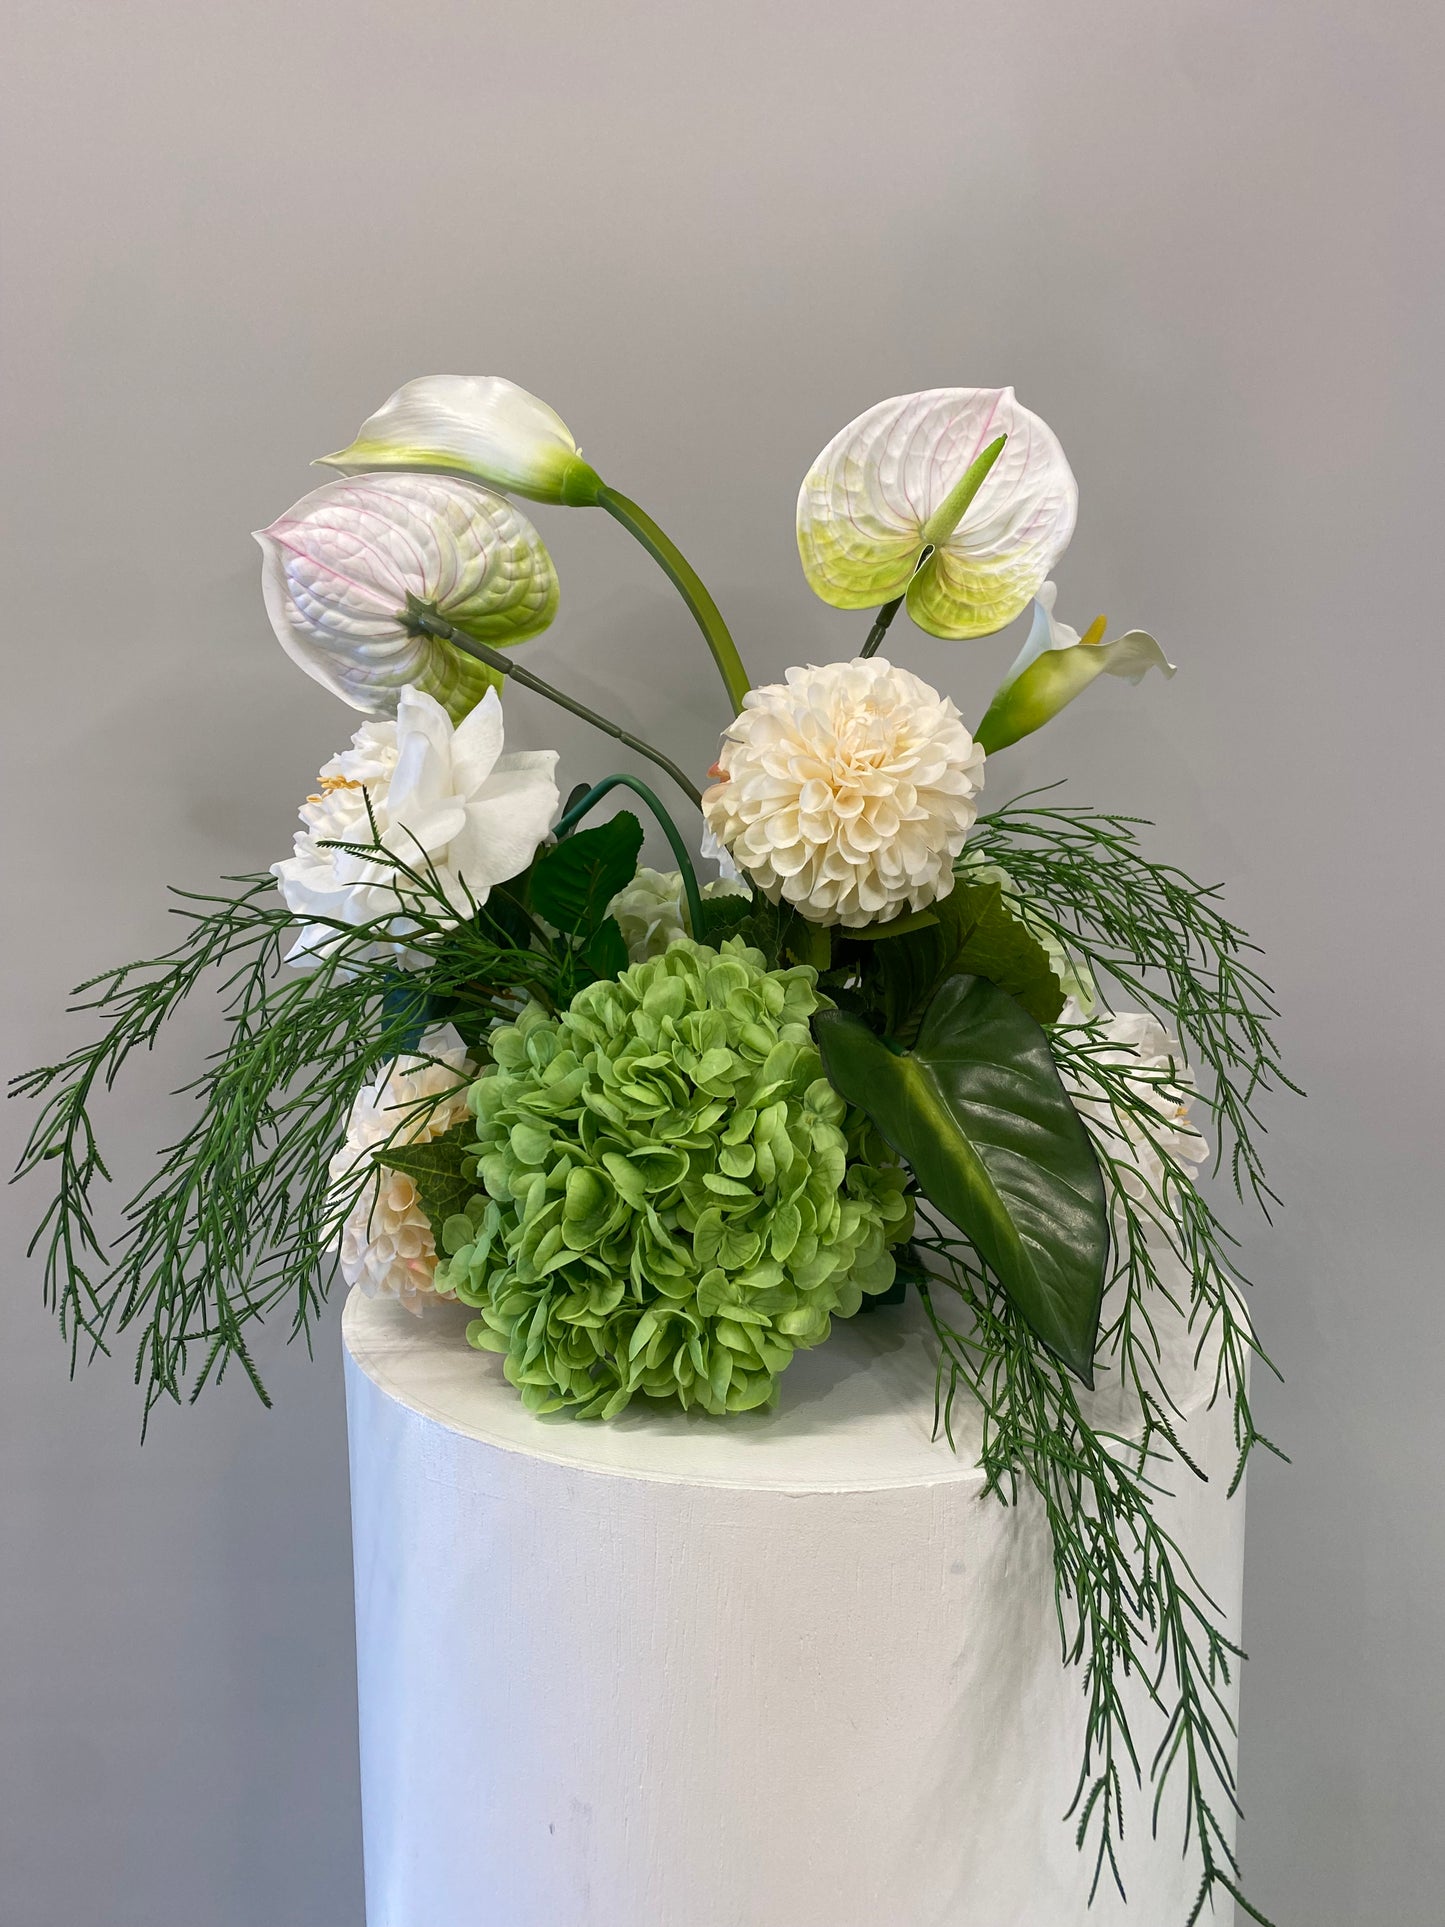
(856,1413)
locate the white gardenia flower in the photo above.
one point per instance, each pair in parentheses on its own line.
(345,565)
(651,910)
(387,1246)
(481,425)
(1136,1043)
(847,791)
(443,798)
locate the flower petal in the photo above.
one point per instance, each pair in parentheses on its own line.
(864,506)
(477,425)
(1053,667)
(506,824)
(340,565)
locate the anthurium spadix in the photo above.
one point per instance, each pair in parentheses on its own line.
(1056,664)
(348,566)
(878,512)
(477,425)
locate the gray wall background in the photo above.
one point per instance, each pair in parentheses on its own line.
(1201,239)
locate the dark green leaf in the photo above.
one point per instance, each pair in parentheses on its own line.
(721,917)
(784,937)
(975,932)
(978,1111)
(435,1168)
(606,950)
(573,882)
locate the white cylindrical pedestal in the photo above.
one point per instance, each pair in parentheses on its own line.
(788,1669)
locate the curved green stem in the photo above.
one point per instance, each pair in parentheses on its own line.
(572,817)
(880,626)
(426,621)
(689,585)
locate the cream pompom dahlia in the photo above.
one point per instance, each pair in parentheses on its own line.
(847,791)
(387,1246)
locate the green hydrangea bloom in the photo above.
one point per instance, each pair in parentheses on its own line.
(673,1199)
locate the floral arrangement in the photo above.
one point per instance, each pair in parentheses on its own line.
(660,1133)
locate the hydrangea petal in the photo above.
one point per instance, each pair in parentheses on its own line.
(340,565)
(865,505)
(477,425)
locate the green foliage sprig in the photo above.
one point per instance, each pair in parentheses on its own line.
(1157,935)
(1129,1604)
(241,1215)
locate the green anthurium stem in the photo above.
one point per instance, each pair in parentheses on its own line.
(427,622)
(572,816)
(939,526)
(689,585)
(880,626)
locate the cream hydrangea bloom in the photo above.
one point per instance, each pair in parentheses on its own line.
(1137,1043)
(847,791)
(650,910)
(387,1247)
(443,799)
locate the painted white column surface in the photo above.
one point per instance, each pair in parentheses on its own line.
(789,1669)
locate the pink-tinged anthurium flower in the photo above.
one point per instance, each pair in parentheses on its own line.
(477,425)
(878,512)
(1055,665)
(348,565)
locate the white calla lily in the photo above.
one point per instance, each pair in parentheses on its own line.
(876,512)
(1056,664)
(477,425)
(347,565)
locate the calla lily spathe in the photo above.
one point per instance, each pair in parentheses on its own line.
(342,564)
(477,425)
(873,511)
(1056,664)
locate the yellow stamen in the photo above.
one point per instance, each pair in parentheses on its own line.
(1094,634)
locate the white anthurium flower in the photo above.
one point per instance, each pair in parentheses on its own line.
(878,512)
(478,425)
(1056,664)
(345,566)
(847,791)
(440,797)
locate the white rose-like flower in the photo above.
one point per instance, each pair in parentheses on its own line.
(443,799)
(1136,1042)
(387,1246)
(847,791)
(650,910)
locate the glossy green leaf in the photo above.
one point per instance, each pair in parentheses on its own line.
(977,1109)
(606,950)
(573,882)
(973,929)
(436,1169)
